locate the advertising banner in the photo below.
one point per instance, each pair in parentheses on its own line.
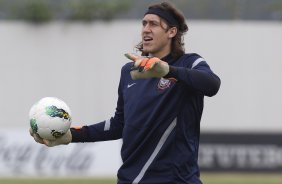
(254,152)
(20,155)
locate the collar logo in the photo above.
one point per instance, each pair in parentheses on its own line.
(166,83)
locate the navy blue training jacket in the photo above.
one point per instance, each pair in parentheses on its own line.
(158,120)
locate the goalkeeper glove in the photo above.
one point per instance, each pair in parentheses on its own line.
(147,67)
(65,139)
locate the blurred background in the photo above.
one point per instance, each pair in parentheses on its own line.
(74,50)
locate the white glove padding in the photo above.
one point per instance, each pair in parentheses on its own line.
(65,139)
(146,67)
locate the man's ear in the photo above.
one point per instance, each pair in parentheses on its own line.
(172,32)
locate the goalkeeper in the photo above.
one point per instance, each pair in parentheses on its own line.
(159,107)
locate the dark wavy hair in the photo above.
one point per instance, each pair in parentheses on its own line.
(177,44)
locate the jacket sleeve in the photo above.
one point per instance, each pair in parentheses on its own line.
(106,130)
(199,77)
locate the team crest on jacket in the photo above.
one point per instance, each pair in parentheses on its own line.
(165,83)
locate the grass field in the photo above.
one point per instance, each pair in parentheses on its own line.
(206,178)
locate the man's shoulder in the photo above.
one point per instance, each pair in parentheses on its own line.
(126,66)
(187,60)
(125,70)
(190,56)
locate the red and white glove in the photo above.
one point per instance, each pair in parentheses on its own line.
(147,67)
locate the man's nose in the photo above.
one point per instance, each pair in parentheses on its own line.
(146,28)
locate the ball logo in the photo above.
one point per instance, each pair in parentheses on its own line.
(33,125)
(53,111)
(57,134)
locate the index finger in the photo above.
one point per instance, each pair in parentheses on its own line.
(131,56)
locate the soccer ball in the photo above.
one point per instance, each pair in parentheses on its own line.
(50,117)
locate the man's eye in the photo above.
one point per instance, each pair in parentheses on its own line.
(155,24)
